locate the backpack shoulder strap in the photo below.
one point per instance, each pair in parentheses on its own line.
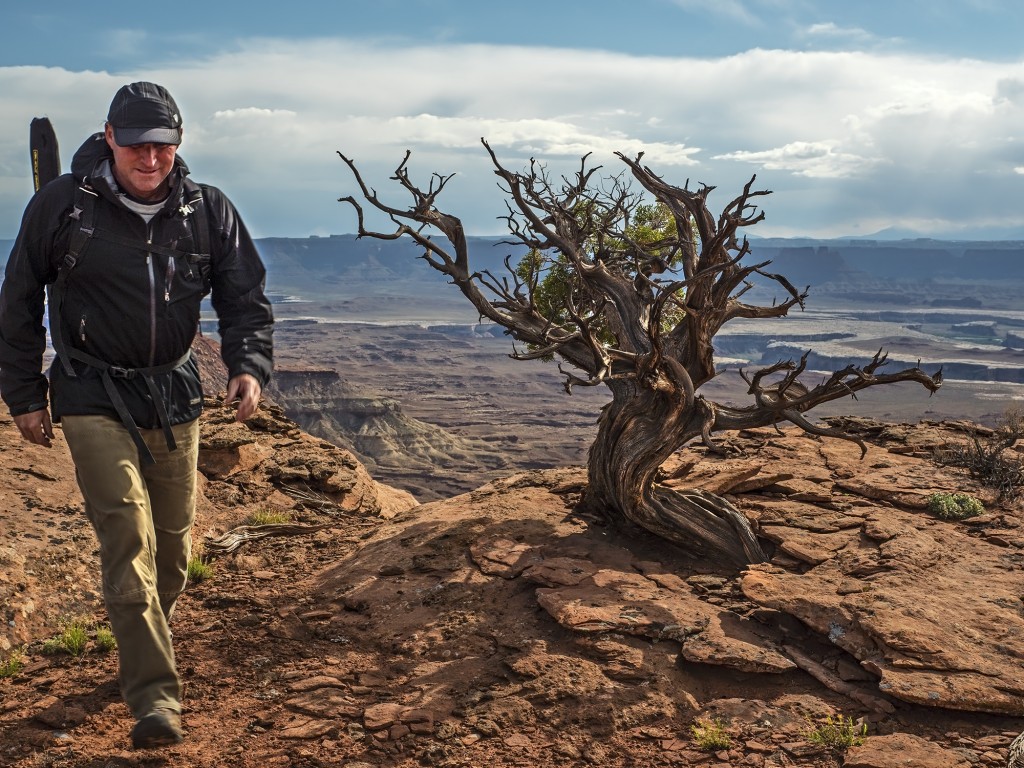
(83,215)
(195,206)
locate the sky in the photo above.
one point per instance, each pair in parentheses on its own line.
(899,117)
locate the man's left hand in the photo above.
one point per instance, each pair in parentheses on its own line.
(246,389)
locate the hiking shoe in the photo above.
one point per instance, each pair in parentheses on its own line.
(160,728)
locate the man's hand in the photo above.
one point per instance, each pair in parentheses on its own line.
(36,427)
(246,390)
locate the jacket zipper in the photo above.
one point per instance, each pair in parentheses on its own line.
(81,328)
(152,298)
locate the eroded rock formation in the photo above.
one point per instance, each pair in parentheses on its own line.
(866,591)
(396,448)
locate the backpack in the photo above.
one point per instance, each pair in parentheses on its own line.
(83,228)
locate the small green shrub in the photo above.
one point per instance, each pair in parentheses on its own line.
(198,570)
(72,640)
(104,639)
(269,517)
(75,638)
(954,506)
(13,664)
(837,733)
(710,735)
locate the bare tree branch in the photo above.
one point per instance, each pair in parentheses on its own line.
(637,310)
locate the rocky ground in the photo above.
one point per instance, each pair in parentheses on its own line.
(504,627)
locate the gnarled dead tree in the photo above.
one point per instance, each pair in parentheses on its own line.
(635,309)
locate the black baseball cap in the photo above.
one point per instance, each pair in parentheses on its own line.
(144,113)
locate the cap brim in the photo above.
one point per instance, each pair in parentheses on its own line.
(126,137)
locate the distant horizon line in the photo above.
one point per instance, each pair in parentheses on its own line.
(878,237)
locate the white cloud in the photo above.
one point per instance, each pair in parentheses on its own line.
(535,137)
(833,34)
(844,138)
(814,159)
(831,29)
(249,113)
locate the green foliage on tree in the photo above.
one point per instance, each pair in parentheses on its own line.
(648,245)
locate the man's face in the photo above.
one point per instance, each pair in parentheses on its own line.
(142,169)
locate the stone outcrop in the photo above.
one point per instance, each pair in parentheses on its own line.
(270,462)
(865,591)
(931,608)
(980,328)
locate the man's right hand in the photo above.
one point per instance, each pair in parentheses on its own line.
(35,427)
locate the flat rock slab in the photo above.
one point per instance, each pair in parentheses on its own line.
(934,612)
(633,604)
(902,750)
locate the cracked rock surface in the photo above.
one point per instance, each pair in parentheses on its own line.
(503,627)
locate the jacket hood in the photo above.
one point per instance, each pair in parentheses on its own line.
(86,162)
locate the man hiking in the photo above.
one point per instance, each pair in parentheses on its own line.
(127,245)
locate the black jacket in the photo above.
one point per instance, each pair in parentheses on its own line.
(124,305)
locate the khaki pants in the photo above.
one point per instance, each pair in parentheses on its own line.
(143,518)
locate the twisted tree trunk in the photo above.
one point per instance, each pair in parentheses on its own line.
(637,432)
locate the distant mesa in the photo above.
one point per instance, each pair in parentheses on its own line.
(975,328)
(345,266)
(396,448)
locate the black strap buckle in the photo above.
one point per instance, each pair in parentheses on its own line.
(117,372)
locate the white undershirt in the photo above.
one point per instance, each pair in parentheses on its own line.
(146,210)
